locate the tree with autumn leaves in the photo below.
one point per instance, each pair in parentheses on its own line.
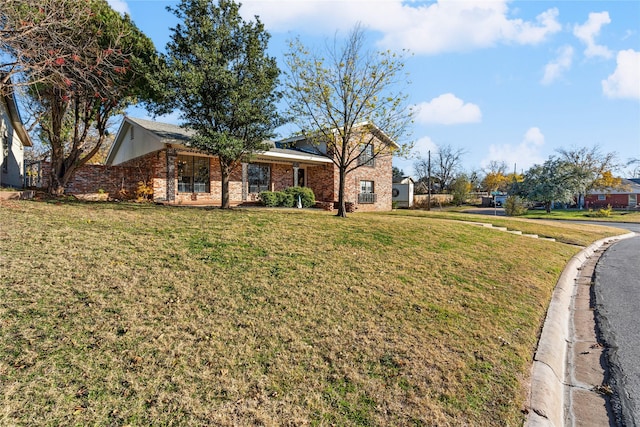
(81,64)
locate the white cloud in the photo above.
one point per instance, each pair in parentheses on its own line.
(523,155)
(119,6)
(625,80)
(588,31)
(558,66)
(422,147)
(443,26)
(447,109)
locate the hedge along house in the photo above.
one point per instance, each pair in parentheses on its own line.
(180,174)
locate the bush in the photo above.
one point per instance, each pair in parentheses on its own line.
(269,198)
(306,196)
(288,198)
(602,212)
(514,206)
(285,199)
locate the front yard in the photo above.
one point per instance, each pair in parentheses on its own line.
(124,314)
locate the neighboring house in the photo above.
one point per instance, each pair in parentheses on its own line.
(625,197)
(13,139)
(402,193)
(180,174)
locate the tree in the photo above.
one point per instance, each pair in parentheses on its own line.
(397,173)
(587,168)
(222,81)
(446,163)
(495,177)
(35,35)
(93,75)
(341,98)
(460,189)
(547,183)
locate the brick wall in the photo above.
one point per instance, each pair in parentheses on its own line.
(382,178)
(618,201)
(100,178)
(323,183)
(281,177)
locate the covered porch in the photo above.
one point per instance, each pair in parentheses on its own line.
(193,178)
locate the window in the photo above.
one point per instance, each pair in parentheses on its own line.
(366,156)
(602,197)
(367,194)
(258,176)
(193,174)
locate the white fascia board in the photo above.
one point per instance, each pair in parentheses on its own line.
(307,158)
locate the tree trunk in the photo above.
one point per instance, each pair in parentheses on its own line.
(342,211)
(547,206)
(225,171)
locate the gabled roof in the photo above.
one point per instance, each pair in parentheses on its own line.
(379,133)
(165,131)
(9,101)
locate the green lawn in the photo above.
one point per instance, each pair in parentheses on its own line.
(585,215)
(124,314)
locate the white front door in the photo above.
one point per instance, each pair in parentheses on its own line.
(633,200)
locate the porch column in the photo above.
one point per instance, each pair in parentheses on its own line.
(296,168)
(245,189)
(171,174)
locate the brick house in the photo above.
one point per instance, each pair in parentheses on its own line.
(13,139)
(625,197)
(180,174)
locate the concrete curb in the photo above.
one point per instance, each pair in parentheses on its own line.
(546,406)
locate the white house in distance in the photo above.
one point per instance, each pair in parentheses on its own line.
(13,139)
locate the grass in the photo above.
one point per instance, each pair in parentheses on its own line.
(573,234)
(123,314)
(585,215)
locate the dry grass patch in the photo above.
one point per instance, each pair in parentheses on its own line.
(117,314)
(574,234)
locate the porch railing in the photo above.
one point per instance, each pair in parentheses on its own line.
(367,198)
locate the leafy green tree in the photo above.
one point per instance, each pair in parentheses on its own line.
(222,81)
(460,188)
(397,173)
(589,169)
(547,183)
(94,75)
(342,97)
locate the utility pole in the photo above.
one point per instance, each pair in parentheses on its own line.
(429,182)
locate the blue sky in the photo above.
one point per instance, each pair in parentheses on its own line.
(510,81)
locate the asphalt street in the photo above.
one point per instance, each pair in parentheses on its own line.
(617,297)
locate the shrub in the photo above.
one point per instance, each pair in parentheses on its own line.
(269,198)
(514,206)
(602,212)
(144,192)
(288,198)
(306,196)
(285,199)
